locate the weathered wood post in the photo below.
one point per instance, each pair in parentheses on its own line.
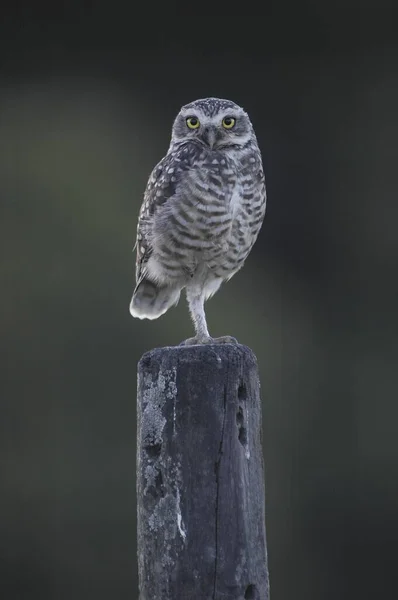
(200,479)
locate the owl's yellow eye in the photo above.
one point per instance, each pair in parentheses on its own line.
(193,122)
(228,122)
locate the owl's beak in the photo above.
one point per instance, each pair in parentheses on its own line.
(209,136)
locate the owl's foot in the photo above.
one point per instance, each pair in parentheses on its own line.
(197,340)
(225,339)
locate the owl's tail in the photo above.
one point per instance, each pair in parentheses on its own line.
(151,300)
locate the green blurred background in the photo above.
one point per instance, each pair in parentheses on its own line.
(87,99)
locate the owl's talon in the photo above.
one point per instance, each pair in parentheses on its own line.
(197,340)
(225,339)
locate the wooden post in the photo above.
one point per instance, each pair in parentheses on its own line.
(200,479)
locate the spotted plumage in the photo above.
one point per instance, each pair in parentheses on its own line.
(203,208)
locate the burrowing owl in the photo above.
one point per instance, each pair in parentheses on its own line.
(203,208)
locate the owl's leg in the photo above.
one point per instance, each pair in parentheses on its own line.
(196,300)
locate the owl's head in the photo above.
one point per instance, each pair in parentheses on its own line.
(214,122)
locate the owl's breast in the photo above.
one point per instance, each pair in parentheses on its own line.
(207,222)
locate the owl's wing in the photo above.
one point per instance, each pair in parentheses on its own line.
(161,186)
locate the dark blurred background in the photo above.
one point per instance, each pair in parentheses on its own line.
(87,99)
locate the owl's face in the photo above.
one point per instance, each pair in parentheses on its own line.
(214,123)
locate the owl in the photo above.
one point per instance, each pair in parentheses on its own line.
(203,208)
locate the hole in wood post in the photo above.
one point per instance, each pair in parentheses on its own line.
(242,436)
(153,450)
(242,433)
(242,391)
(146,360)
(251,593)
(239,417)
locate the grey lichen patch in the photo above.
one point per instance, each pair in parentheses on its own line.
(156,393)
(164,517)
(153,420)
(165,522)
(151,473)
(161,472)
(167,513)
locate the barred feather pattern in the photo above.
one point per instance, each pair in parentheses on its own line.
(202,211)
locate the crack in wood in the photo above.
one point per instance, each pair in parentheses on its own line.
(217,470)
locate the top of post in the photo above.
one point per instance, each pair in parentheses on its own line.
(206,353)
